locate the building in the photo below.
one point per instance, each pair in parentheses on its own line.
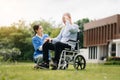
(102,38)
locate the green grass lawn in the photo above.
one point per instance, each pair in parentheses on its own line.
(25,71)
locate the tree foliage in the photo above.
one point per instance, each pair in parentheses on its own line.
(81,27)
(17,38)
(47,27)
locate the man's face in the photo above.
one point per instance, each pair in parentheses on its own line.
(66,18)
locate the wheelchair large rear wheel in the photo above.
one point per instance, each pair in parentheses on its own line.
(79,62)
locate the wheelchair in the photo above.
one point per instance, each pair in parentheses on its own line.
(72,56)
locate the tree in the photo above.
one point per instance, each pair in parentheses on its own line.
(47,27)
(81,27)
(19,36)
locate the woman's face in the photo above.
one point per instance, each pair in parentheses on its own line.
(40,30)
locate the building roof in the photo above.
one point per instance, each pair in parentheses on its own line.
(104,21)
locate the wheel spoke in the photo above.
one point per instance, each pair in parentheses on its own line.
(80,58)
(82,66)
(76,65)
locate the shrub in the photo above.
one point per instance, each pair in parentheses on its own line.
(113,61)
(10,54)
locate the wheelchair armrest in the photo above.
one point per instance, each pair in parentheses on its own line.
(71,40)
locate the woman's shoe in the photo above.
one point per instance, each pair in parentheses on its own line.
(44,66)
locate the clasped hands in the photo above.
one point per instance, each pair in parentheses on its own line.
(48,40)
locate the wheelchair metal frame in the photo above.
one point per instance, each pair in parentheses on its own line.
(72,56)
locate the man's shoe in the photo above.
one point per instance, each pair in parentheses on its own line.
(54,66)
(44,66)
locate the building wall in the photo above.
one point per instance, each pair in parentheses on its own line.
(118,49)
(102,52)
(84,52)
(101,32)
(97,53)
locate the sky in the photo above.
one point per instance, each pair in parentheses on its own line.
(52,10)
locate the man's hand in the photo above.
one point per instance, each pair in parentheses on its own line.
(67,19)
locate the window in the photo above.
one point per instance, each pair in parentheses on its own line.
(113,50)
(92,52)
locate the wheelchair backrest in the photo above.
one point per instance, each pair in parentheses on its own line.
(78,39)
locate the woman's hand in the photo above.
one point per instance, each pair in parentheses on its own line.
(48,40)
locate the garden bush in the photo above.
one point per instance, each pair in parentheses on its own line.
(113,61)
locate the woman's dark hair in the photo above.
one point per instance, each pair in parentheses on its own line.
(35,27)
